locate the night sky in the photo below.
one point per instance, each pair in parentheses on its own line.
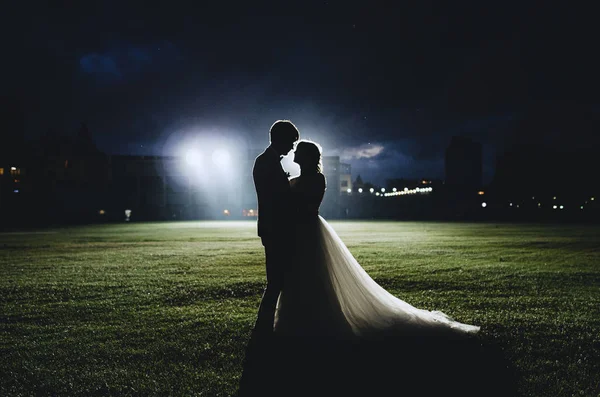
(384,87)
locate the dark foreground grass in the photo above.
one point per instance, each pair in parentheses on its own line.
(167,308)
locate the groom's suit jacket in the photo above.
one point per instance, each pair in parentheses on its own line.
(273,193)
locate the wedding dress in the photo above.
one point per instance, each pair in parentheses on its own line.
(327,293)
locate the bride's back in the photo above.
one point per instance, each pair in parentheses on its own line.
(308,191)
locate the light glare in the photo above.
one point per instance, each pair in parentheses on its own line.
(193,157)
(221,157)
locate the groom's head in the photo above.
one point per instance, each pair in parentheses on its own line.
(283,135)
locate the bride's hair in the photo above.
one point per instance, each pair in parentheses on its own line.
(308,156)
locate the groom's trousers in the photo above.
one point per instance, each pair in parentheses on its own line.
(276,255)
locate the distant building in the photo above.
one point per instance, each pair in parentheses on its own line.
(339,180)
(157,187)
(345,178)
(13,162)
(65,178)
(464,164)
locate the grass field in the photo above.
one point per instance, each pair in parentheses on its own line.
(167,308)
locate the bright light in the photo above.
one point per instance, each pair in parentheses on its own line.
(406,189)
(371,190)
(101,212)
(377,194)
(16,191)
(249,212)
(581,207)
(511,204)
(394,189)
(349,190)
(13,168)
(383,190)
(481,192)
(592,198)
(554,198)
(360,189)
(562,207)
(193,157)
(226,212)
(484,204)
(554,207)
(127,215)
(221,157)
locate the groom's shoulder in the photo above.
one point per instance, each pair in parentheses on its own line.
(265,156)
(261,160)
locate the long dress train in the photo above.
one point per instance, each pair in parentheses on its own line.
(328,294)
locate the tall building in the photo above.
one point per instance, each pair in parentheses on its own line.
(345,177)
(463,164)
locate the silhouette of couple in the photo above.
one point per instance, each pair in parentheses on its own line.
(316,290)
(315,287)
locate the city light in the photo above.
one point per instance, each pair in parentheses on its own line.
(349,190)
(226,212)
(377,194)
(484,204)
(562,207)
(127,215)
(554,207)
(101,212)
(382,190)
(481,192)
(13,168)
(249,212)
(371,190)
(394,190)
(360,189)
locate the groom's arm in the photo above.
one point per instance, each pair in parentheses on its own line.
(264,194)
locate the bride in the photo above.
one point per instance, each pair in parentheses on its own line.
(327,293)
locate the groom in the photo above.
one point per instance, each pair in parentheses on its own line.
(274,213)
